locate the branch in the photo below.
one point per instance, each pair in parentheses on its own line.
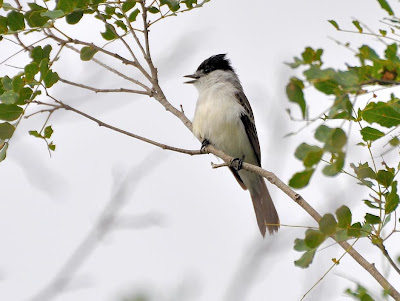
(104,90)
(271,177)
(112,70)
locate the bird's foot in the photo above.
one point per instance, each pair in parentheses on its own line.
(237,163)
(204,144)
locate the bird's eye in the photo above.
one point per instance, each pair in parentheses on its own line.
(207,70)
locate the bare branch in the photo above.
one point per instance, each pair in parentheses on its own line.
(104,90)
(136,61)
(113,70)
(97,48)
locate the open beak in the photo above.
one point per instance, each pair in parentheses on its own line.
(194,76)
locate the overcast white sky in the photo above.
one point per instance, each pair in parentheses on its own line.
(201,241)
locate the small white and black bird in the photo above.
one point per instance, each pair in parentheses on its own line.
(224,118)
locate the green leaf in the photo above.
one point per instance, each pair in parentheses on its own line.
(52,146)
(10,112)
(383,32)
(370,205)
(189,3)
(335,140)
(357,24)
(74,17)
(15,21)
(297,62)
(314,238)
(303,149)
(9,97)
(24,95)
(309,154)
(30,71)
(368,53)
(34,18)
(323,133)
(333,22)
(394,141)
(385,177)
(6,130)
(153,10)
(133,15)
(50,78)
(343,215)
(328,224)
(385,114)
(391,53)
(392,199)
(301,179)
(294,91)
(48,131)
(3,151)
(87,53)
(173,5)
(17,83)
(386,7)
(53,14)
(372,219)
(66,6)
(35,134)
(305,260)
(109,34)
(315,73)
(121,24)
(363,171)
(329,87)
(6,82)
(44,68)
(38,53)
(300,245)
(354,230)
(336,166)
(371,134)
(127,5)
(3,25)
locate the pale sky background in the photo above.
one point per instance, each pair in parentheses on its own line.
(194,235)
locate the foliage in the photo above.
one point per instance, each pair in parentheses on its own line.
(19,90)
(357,100)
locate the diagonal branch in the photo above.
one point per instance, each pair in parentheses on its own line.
(104,90)
(113,70)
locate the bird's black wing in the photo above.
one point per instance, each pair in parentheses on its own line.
(249,125)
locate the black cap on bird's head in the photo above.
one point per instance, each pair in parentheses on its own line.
(215,62)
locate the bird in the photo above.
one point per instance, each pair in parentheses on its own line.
(223,117)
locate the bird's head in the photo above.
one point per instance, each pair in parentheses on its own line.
(210,70)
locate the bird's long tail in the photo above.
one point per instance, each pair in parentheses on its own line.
(267,217)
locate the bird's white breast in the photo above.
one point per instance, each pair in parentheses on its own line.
(217,119)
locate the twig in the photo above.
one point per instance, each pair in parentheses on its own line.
(113,70)
(327,272)
(104,90)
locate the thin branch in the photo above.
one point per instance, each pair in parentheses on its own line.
(61,105)
(96,90)
(93,46)
(136,61)
(113,70)
(327,272)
